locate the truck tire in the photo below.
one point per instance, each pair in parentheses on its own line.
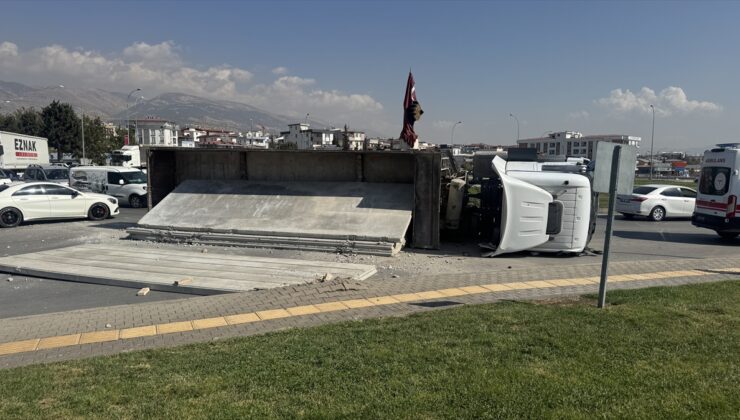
(98,211)
(727,235)
(657,214)
(10,217)
(136,201)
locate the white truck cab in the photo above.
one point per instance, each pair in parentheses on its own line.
(545,211)
(128,185)
(719,188)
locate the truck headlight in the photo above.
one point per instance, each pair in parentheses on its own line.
(113,201)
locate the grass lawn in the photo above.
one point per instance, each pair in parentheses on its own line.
(654,353)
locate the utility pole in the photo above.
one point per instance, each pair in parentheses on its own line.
(517,125)
(452,137)
(652,143)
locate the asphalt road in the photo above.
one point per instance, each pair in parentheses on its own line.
(637,239)
(28,296)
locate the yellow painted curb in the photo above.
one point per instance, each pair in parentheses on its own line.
(23,346)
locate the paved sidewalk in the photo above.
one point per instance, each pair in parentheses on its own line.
(110,330)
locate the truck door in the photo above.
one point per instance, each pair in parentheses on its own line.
(524,213)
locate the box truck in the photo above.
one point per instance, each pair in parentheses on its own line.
(128,157)
(17,151)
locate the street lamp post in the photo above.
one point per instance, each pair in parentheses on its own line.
(452,137)
(83,136)
(652,143)
(128,114)
(517,125)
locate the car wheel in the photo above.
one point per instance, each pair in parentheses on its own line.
(10,217)
(136,201)
(727,235)
(657,214)
(628,215)
(98,211)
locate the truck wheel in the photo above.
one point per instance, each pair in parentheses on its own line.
(10,217)
(98,211)
(136,201)
(657,214)
(727,235)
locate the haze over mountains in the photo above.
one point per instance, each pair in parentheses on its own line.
(182,108)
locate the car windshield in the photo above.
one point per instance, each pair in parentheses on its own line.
(643,190)
(57,174)
(137,177)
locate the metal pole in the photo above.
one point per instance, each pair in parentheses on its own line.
(652,143)
(609,222)
(128,114)
(83,137)
(517,125)
(452,136)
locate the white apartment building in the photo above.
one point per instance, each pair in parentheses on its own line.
(298,134)
(156,132)
(356,139)
(574,144)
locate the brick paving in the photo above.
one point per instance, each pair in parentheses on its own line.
(442,291)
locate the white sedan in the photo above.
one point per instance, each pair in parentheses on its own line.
(43,200)
(657,202)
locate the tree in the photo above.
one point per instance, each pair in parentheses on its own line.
(99,141)
(29,121)
(62,128)
(8,123)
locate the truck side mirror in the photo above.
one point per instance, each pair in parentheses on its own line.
(121,182)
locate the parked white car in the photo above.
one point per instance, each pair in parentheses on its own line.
(43,200)
(657,202)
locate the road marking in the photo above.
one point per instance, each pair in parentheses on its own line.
(46,343)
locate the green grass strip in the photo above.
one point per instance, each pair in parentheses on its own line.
(653,353)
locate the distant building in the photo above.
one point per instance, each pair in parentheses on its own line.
(306,138)
(154,131)
(110,128)
(298,134)
(574,144)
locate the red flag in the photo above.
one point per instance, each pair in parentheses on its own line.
(411,112)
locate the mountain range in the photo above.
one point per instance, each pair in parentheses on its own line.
(181,108)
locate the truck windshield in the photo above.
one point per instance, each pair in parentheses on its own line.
(137,177)
(119,158)
(57,174)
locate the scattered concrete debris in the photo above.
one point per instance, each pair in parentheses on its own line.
(176,270)
(183,282)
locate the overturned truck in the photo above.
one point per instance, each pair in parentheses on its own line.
(360,201)
(371,202)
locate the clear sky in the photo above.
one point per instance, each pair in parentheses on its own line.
(593,67)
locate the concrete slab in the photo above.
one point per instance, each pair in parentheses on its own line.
(159,269)
(304,215)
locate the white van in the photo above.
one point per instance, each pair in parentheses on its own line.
(128,185)
(719,187)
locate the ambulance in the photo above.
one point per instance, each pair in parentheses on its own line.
(717,206)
